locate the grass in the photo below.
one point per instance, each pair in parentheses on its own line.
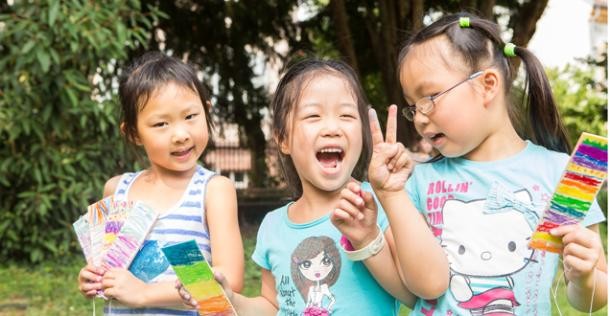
(51,288)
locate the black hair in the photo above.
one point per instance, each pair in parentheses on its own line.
(480,45)
(287,95)
(146,74)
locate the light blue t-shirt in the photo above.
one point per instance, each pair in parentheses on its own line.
(312,274)
(485,237)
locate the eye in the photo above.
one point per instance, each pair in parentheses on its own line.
(326,261)
(305,265)
(512,246)
(159,124)
(461,249)
(191,116)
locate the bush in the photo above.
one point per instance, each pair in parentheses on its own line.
(58,123)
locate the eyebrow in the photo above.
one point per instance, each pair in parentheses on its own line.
(423,85)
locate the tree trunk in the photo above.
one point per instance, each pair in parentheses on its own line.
(344,35)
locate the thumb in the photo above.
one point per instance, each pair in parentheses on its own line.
(369,200)
(224,283)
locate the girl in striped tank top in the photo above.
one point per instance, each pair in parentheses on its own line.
(165,110)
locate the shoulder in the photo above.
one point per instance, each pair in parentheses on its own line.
(275,217)
(218,183)
(111,185)
(540,157)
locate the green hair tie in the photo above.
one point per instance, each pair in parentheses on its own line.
(464,22)
(509,50)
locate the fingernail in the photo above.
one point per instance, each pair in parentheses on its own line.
(553,231)
(360,201)
(360,216)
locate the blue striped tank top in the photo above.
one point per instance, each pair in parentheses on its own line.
(183,222)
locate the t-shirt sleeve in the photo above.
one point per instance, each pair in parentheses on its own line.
(382,219)
(260,255)
(411,187)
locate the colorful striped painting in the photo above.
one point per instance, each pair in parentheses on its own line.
(81,228)
(584,175)
(140,219)
(197,277)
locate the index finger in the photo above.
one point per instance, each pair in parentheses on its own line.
(390,130)
(376,133)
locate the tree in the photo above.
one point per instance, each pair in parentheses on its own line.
(58,119)
(222,37)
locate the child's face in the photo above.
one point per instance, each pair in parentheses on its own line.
(325,133)
(457,123)
(316,268)
(172,128)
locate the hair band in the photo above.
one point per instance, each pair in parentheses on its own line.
(509,50)
(464,22)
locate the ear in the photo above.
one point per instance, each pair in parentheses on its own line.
(208,105)
(283,145)
(135,140)
(491,85)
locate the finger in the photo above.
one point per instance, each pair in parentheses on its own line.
(398,150)
(577,265)
(563,230)
(403,161)
(390,130)
(369,200)
(376,133)
(352,209)
(353,195)
(581,252)
(340,216)
(583,237)
(88,276)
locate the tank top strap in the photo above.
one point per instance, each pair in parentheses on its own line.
(125,182)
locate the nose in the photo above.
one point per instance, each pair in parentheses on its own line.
(421,119)
(180,134)
(331,127)
(486,255)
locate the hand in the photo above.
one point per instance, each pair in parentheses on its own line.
(390,164)
(190,301)
(356,215)
(581,252)
(89,280)
(123,286)
(186,297)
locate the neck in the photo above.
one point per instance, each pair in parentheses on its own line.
(170,178)
(313,204)
(503,142)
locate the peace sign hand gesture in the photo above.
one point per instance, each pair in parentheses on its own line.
(390,164)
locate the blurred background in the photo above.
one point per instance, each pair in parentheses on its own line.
(59,135)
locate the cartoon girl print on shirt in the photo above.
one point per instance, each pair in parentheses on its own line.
(315,267)
(486,242)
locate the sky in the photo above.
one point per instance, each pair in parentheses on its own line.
(562,33)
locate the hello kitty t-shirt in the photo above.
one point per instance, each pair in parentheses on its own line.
(484,213)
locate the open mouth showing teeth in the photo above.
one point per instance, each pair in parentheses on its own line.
(330,157)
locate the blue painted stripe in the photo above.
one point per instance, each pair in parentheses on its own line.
(191,204)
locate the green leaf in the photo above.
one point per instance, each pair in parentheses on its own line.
(43,59)
(28,46)
(53,11)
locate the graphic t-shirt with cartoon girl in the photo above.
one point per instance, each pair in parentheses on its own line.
(312,275)
(484,214)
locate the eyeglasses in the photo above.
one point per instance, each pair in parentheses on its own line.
(425,105)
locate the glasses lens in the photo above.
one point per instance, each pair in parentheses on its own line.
(425,105)
(408,112)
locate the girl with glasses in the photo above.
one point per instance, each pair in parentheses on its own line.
(497,169)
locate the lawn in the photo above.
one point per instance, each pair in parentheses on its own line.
(51,288)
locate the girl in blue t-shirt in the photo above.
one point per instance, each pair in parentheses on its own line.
(330,252)
(485,193)
(165,111)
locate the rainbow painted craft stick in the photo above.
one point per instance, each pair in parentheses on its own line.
(196,275)
(581,180)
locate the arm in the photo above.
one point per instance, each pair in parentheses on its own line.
(422,261)
(265,304)
(416,247)
(356,218)
(585,266)
(225,238)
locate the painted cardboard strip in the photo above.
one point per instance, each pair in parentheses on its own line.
(580,182)
(197,277)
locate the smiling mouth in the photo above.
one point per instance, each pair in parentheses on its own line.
(330,157)
(182,152)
